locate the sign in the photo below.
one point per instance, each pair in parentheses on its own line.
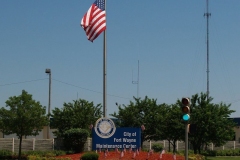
(106,136)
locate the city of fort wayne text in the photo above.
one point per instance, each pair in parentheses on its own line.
(128,139)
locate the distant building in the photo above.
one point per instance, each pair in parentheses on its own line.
(236,129)
(43,133)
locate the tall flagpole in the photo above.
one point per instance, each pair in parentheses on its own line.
(105,68)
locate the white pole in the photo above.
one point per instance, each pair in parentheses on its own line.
(177,145)
(13,145)
(33,144)
(53,143)
(89,149)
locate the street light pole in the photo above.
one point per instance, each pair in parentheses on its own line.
(186,141)
(48,71)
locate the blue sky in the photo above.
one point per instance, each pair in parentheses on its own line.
(168,38)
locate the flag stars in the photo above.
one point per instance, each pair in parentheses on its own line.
(100,4)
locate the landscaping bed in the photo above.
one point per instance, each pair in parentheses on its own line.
(127,156)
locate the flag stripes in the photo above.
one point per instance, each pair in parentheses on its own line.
(94,21)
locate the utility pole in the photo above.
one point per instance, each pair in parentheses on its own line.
(137,82)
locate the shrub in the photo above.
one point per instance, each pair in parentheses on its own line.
(157,147)
(236,152)
(145,149)
(59,152)
(89,156)
(5,153)
(23,157)
(45,153)
(221,153)
(196,157)
(39,153)
(50,154)
(74,139)
(209,153)
(70,152)
(34,157)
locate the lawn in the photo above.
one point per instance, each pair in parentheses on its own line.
(223,158)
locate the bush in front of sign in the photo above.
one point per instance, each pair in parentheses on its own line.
(157,147)
(89,156)
(74,139)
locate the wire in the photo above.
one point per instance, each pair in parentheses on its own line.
(76,86)
(233,101)
(63,83)
(23,82)
(90,89)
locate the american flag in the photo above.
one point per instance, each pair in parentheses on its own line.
(130,150)
(174,156)
(122,154)
(137,152)
(105,153)
(134,154)
(151,151)
(116,150)
(163,151)
(94,21)
(160,156)
(124,149)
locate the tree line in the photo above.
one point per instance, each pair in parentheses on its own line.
(25,116)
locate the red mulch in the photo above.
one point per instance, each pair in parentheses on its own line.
(128,156)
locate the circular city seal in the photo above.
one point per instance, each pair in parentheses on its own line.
(105,127)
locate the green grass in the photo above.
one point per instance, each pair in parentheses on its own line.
(223,158)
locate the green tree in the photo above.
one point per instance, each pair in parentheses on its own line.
(79,114)
(24,117)
(173,127)
(142,112)
(212,120)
